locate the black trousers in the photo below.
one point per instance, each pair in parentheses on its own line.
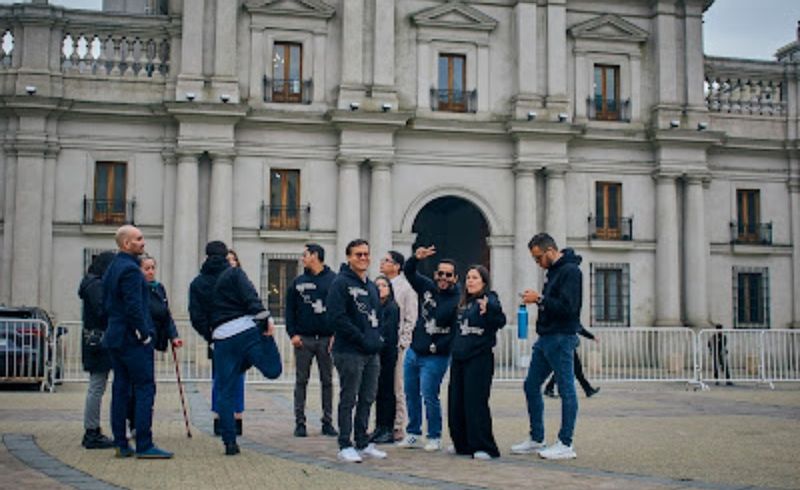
(578,375)
(468,415)
(386,401)
(313,346)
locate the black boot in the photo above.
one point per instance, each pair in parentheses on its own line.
(300,430)
(590,392)
(94,439)
(328,430)
(238,427)
(231,449)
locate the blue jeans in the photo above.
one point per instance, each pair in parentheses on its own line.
(238,406)
(552,353)
(232,357)
(422,380)
(133,375)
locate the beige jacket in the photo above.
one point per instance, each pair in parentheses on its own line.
(406,298)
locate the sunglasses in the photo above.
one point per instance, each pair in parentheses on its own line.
(446,274)
(361,255)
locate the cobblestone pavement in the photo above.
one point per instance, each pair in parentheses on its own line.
(630,436)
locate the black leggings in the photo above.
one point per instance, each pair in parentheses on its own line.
(578,375)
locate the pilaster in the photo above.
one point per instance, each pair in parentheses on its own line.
(557,100)
(695,252)
(224,82)
(556,212)
(220,218)
(383,77)
(380,210)
(527,97)
(351,88)
(185,241)
(667,278)
(190,79)
(525,226)
(348,205)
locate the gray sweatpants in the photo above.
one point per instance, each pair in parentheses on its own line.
(94,398)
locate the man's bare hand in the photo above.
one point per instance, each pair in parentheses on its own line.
(482,302)
(270,330)
(177,343)
(297,342)
(529,296)
(425,252)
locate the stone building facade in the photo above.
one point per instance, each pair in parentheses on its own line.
(470,124)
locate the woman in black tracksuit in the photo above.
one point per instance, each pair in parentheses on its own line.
(480,316)
(389,322)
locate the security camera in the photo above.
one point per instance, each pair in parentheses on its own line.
(30,89)
(531,116)
(702,126)
(190,96)
(674,124)
(225,98)
(562,117)
(354,106)
(386,107)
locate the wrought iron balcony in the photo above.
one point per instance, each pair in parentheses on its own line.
(454,100)
(108,211)
(284,217)
(606,228)
(288,91)
(751,233)
(615,110)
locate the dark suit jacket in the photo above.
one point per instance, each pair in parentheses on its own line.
(125,297)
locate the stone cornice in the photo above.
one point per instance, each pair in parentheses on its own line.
(456,125)
(206,112)
(542,130)
(668,137)
(369,121)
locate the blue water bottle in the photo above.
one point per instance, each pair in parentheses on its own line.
(522,322)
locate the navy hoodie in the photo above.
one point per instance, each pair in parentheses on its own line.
(560,308)
(234,297)
(305,303)
(437,312)
(476,333)
(201,294)
(353,313)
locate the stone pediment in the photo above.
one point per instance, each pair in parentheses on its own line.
(609,27)
(291,8)
(454,15)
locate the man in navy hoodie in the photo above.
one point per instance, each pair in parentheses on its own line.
(353,314)
(129,339)
(311,335)
(557,325)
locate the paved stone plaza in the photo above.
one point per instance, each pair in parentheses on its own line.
(629,436)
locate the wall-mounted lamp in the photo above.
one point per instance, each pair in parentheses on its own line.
(702,126)
(190,96)
(386,107)
(354,106)
(562,117)
(30,89)
(225,98)
(531,116)
(674,124)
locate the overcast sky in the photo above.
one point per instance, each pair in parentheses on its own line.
(735,28)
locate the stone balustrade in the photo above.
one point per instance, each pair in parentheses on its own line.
(745,87)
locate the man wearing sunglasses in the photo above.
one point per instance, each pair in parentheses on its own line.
(427,360)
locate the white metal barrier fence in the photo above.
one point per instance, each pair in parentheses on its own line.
(639,354)
(30,352)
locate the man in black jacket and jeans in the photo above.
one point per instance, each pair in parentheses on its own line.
(311,335)
(353,314)
(557,325)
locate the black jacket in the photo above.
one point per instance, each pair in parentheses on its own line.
(437,312)
(477,333)
(95,357)
(560,308)
(201,294)
(353,313)
(162,318)
(305,304)
(389,320)
(234,296)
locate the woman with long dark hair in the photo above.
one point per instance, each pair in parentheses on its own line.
(385,401)
(480,316)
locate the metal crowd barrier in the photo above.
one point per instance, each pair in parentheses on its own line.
(636,354)
(31,351)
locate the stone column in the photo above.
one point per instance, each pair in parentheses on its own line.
(556,212)
(46,275)
(220,215)
(383,62)
(351,88)
(185,242)
(557,54)
(348,205)
(696,253)
(167,247)
(8,224)
(667,278)
(794,213)
(525,275)
(380,212)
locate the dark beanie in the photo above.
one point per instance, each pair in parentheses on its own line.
(216,248)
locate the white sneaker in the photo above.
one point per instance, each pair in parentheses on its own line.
(482,455)
(527,447)
(349,455)
(409,441)
(433,445)
(372,452)
(559,450)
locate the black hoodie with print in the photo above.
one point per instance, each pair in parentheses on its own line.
(353,313)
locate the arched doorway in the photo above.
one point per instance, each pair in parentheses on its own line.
(457,228)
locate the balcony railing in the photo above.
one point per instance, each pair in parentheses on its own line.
(615,111)
(746,87)
(454,100)
(288,91)
(605,228)
(751,233)
(108,211)
(284,217)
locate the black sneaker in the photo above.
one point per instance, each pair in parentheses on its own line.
(94,439)
(232,449)
(591,392)
(550,393)
(328,430)
(300,430)
(382,435)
